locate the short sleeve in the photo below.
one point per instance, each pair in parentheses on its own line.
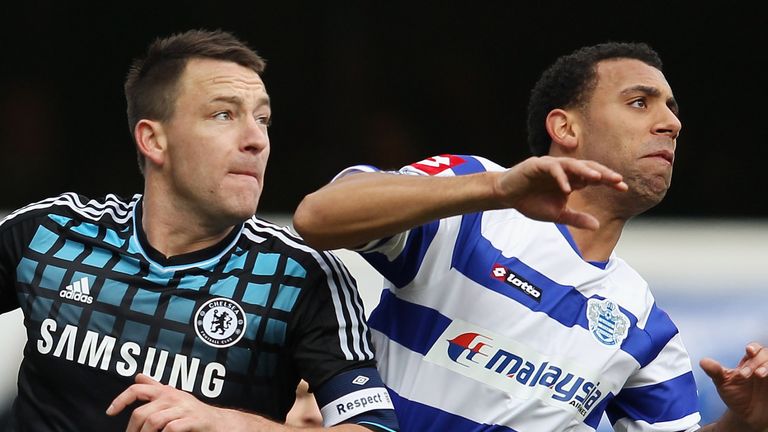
(328,330)
(660,396)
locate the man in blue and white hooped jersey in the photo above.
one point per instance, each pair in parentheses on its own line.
(506,308)
(180,299)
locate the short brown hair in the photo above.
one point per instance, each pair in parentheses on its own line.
(151,84)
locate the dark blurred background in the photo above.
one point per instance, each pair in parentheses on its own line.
(385,83)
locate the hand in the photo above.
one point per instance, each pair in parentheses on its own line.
(167,409)
(744,389)
(539,188)
(172,410)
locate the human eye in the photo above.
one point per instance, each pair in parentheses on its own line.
(264,120)
(638,103)
(222,115)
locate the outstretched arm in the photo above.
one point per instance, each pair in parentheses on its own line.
(171,410)
(744,390)
(359,208)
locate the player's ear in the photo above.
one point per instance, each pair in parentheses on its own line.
(563,128)
(150,140)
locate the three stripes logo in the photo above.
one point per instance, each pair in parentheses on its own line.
(78,291)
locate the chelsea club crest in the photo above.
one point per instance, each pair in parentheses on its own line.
(606,322)
(220,322)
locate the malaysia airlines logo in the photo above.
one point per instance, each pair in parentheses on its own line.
(438,164)
(502,362)
(469,343)
(506,275)
(79,291)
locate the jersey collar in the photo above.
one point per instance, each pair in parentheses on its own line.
(568,237)
(191,259)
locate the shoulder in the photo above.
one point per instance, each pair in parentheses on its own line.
(634,294)
(73,206)
(440,165)
(281,240)
(451,165)
(631,290)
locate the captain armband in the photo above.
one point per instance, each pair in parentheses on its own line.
(359,397)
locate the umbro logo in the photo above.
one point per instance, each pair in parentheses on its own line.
(78,291)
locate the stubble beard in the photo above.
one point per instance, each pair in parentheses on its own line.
(645,192)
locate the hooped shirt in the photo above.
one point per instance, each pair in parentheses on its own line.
(492,321)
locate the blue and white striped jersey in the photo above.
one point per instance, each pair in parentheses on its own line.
(492,321)
(236,324)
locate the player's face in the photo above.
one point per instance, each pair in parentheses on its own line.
(217,140)
(631,125)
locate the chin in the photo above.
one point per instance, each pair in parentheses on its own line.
(645,200)
(245,211)
(245,201)
(649,188)
(233,213)
(640,198)
(248,208)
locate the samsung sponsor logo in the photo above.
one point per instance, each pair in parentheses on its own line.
(98,351)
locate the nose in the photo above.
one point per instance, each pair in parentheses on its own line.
(255,135)
(669,124)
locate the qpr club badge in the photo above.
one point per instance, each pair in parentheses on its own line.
(606,322)
(220,322)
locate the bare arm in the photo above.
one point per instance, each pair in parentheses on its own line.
(170,410)
(363,207)
(366,206)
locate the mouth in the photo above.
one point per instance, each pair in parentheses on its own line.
(666,155)
(247,176)
(253,174)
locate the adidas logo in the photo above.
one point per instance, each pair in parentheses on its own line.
(78,291)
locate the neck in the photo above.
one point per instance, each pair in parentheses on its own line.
(596,245)
(173,228)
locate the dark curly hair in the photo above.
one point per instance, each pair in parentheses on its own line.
(568,83)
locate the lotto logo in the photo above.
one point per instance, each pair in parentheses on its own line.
(506,275)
